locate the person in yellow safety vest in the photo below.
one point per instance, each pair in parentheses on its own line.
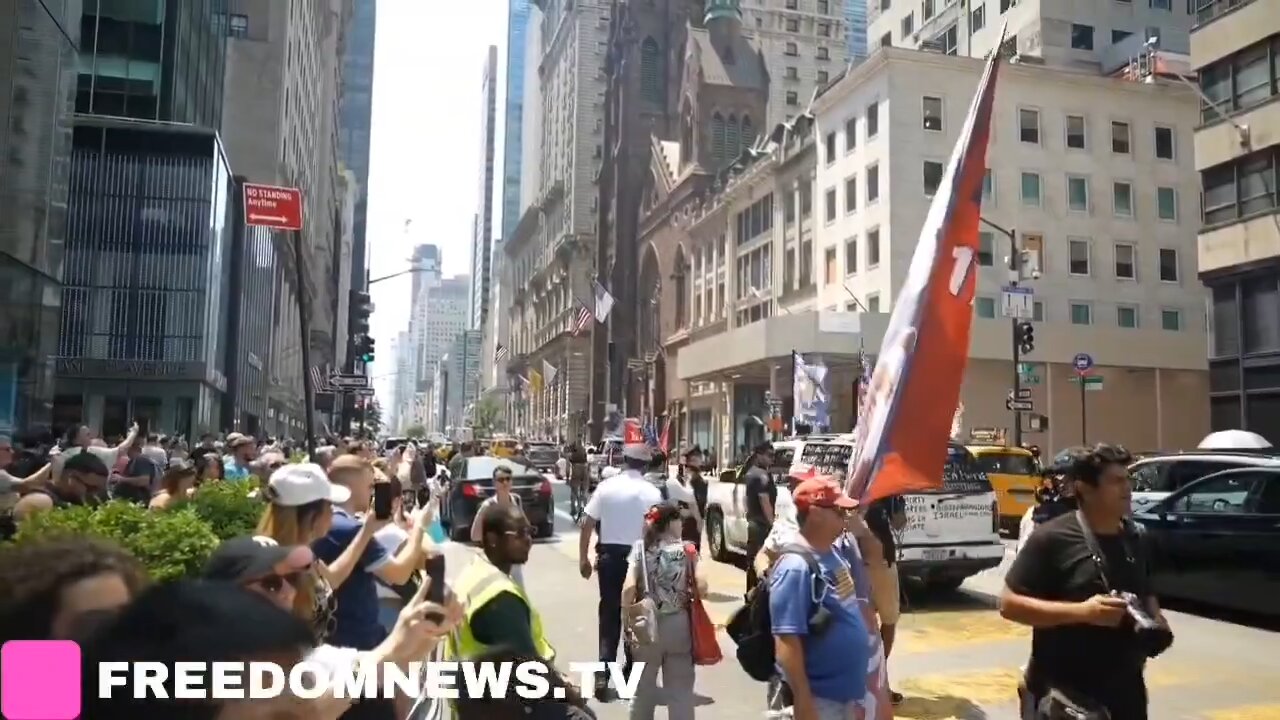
(496,611)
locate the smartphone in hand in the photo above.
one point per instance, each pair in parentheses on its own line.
(382,501)
(435,590)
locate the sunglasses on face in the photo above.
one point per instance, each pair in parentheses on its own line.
(275,583)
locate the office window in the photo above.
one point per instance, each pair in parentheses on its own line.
(873,183)
(1081,313)
(851,193)
(986,248)
(927,9)
(1037,311)
(873,302)
(831,147)
(831,204)
(886,40)
(1168,265)
(978,18)
(824,7)
(793,25)
(1122,199)
(1077,193)
(824,29)
(830,270)
(1120,138)
(984,307)
(1240,188)
(792,73)
(1076,132)
(873,247)
(1166,5)
(1171,320)
(1078,257)
(1241,80)
(1031,191)
(792,98)
(1033,249)
(823,77)
(873,120)
(932,112)
(988,187)
(1167,203)
(1081,36)
(908,24)
(1126,261)
(793,4)
(238,25)
(932,177)
(1127,316)
(1119,35)
(791,50)
(851,256)
(824,53)
(1006,4)
(1029,126)
(1166,147)
(850,134)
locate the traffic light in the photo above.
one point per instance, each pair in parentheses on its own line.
(361,307)
(1026,337)
(365,349)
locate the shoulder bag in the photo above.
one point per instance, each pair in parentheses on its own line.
(702,632)
(642,616)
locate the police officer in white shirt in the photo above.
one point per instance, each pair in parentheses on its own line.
(617,507)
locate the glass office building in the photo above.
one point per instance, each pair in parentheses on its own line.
(513,116)
(37,87)
(153,60)
(145,282)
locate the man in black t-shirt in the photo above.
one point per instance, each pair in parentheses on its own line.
(1083,642)
(761,496)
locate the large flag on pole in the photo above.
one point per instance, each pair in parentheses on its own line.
(915,387)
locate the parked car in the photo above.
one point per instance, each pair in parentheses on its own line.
(1216,540)
(726,519)
(1015,475)
(474,484)
(1156,477)
(542,455)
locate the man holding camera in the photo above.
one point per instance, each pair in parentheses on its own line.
(1081,583)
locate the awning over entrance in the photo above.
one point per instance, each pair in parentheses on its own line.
(836,336)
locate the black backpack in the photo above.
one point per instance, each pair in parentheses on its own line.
(751,626)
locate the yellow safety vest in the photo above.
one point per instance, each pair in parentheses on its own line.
(479,583)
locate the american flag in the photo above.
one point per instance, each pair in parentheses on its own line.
(499,352)
(650,430)
(320,380)
(583,320)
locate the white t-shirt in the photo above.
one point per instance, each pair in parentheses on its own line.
(108,455)
(619,505)
(391,537)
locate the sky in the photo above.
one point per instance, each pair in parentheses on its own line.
(425,159)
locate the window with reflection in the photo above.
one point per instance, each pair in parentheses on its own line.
(1227,494)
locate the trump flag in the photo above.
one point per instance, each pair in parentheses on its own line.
(915,387)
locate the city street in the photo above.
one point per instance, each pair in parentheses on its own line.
(955,657)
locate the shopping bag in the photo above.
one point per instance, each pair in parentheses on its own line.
(706,648)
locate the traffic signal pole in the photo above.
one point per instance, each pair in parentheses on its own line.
(304,320)
(1015,275)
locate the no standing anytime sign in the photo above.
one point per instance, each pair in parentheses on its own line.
(271,206)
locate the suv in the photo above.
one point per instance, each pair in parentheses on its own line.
(1156,477)
(952,533)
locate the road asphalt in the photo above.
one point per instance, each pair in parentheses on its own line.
(955,658)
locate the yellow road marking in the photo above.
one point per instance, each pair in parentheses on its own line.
(927,632)
(1250,712)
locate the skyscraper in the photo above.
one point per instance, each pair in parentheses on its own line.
(513,114)
(355,115)
(482,229)
(37,87)
(855,28)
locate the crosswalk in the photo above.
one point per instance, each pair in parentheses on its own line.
(956,659)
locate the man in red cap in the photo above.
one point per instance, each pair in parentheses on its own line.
(819,628)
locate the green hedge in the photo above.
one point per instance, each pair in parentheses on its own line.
(172,544)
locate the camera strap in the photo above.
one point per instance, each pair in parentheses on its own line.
(1127,531)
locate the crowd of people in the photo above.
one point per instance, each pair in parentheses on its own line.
(325,579)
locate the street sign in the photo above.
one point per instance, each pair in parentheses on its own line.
(1018,302)
(270,206)
(1091,382)
(349,382)
(1029,379)
(1026,368)
(1022,394)
(1082,362)
(1019,405)
(363,392)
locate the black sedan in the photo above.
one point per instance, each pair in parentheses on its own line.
(1217,541)
(475,483)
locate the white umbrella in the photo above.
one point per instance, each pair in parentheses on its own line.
(1234,440)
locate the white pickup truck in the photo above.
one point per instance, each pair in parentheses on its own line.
(726,520)
(951,533)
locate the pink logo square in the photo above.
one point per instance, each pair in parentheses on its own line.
(40,680)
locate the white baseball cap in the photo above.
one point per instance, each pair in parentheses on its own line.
(295,485)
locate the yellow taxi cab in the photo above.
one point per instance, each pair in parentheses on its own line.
(504,447)
(1014,475)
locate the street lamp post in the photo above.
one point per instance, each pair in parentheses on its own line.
(1015,275)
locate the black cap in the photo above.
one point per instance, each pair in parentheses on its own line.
(246,558)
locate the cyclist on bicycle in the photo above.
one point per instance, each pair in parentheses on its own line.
(579,483)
